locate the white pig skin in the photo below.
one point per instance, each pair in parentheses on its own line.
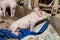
(8,3)
(28,21)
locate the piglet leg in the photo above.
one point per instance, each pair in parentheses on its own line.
(12,8)
(32,24)
(3,11)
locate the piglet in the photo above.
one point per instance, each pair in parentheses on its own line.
(8,3)
(28,21)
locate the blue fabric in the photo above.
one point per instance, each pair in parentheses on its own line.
(6,34)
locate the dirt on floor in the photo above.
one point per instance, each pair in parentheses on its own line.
(7,22)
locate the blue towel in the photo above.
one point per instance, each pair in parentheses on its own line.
(6,34)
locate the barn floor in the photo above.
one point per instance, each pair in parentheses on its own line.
(7,22)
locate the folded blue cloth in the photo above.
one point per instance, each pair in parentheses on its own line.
(6,34)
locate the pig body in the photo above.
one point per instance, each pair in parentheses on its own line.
(8,3)
(28,21)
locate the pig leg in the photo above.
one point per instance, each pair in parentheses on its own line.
(0,15)
(32,26)
(12,8)
(16,33)
(12,12)
(3,10)
(29,4)
(1,21)
(15,30)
